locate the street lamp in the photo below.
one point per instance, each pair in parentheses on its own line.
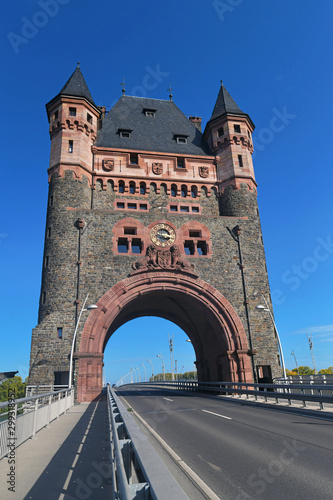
(89,308)
(160,356)
(293,354)
(137,368)
(145,371)
(267,309)
(152,369)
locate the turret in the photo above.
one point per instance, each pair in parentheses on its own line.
(73,118)
(229,135)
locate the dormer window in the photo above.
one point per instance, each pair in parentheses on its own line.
(149,112)
(124,133)
(181,139)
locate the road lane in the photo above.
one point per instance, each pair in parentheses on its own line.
(254,453)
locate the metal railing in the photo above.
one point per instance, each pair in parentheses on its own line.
(36,390)
(305,393)
(26,416)
(137,471)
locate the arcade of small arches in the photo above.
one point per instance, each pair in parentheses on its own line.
(174,190)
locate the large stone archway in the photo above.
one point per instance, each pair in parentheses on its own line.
(216,332)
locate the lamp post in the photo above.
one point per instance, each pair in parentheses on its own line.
(89,308)
(152,369)
(137,368)
(145,371)
(267,309)
(160,356)
(293,354)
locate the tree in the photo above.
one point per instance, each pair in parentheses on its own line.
(15,384)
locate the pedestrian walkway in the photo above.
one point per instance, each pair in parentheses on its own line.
(67,461)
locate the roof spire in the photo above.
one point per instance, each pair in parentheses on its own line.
(78,65)
(225,103)
(170,90)
(123,84)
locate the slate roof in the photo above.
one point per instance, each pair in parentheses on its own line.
(155,133)
(76,86)
(225,104)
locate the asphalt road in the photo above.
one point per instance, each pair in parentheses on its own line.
(240,451)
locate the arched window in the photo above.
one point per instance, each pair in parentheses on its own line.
(142,188)
(173,190)
(153,187)
(132,187)
(163,188)
(121,187)
(183,191)
(194,192)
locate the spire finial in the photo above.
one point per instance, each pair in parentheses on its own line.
(123,85)
(221,82)
(170,90)
(78,66)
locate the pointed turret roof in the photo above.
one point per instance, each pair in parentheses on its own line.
(76,86)
(225,104)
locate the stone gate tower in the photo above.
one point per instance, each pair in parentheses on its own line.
(151,217)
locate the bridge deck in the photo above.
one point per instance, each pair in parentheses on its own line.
(67,461)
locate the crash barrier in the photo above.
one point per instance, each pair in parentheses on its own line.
(23,418)
(137,470)
(291,392)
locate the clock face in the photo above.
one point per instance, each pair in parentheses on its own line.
(162,235)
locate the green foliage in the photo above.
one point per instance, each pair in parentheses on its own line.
(326,371)
(14,384)
(180,376)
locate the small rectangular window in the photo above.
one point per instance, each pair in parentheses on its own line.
(120,205)
(55,115)
(180,163)
(43,297)
(136,246)
(46,261)
(132,206)
(143,206)
(150,112)
(122,245)
(129,230)
(51,201)
(195,234)
(89,118)
(220,131)
(240,160)
(125,134)
(184,209)
(181,140)
(237,129)
(173,208)
(72,111)
(49,232)
(195,210)
(202,248)
(133,159)
(189,248)
(70,146)
(59,332)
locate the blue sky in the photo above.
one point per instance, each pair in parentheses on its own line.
(275,60)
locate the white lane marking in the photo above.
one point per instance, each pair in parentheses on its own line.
(217,414)
(168,399)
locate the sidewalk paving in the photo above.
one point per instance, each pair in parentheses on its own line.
(67,461)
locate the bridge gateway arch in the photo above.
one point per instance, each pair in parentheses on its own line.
(150,216)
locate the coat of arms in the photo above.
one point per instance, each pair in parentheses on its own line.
(108,165)
(157,168)
(204,172)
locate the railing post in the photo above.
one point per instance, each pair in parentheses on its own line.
(58,405)
(35,419)
(49,411)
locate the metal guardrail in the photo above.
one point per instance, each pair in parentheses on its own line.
(35,390)
(137,471)
(290,392)
(26,416)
